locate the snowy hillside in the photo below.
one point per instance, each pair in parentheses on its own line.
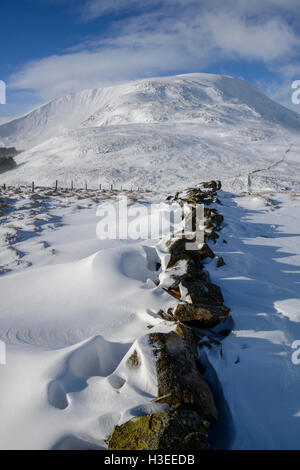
(158,131)
(75,307)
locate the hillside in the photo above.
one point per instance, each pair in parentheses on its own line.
(156,132)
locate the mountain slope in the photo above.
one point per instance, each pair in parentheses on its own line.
(155,131)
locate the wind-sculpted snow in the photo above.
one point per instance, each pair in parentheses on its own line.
(146,133)
(74,309)
(260,281)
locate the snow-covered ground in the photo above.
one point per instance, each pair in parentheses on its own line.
(261,283)
(74,308)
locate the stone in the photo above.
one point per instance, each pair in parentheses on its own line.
(8,152)
(213,235)
(134,361)
(202,292)
(206,252)
(220,262)
(215,185)
(180,383)
(202,316)
(178,431)
(177,250)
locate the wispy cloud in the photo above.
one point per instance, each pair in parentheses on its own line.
(247,39)
(163,37)
(91,9)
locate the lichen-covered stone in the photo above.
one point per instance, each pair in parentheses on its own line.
(178,251)
(204,316)
(179,380)
(202,292)
(181,430)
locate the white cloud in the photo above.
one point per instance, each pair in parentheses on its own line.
(92,9)
(126,58)
(95,8)
(179,35)
(239,38)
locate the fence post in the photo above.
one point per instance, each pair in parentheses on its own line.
(32,186)
(56,185)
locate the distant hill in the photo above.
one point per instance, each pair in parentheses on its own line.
(156,132)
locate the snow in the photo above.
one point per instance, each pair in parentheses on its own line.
(147,132)
(260,282)
(71,315)
(75,307)
(4,119)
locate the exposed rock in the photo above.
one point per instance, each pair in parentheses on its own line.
(180,383)
(8,152)
(195,271)
(206,252)
(212,235)
(178,251)
(202,292)
(220,262)
(6,158)
(195,196)
(6,163)
(168,316)
(179,431)
(202,316)
(134,361)
(215,185)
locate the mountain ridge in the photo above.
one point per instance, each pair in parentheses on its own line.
(156,131)
(91,107)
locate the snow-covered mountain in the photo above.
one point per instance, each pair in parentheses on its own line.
(5,119)
(156,132)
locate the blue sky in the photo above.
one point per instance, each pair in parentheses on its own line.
(52,47)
